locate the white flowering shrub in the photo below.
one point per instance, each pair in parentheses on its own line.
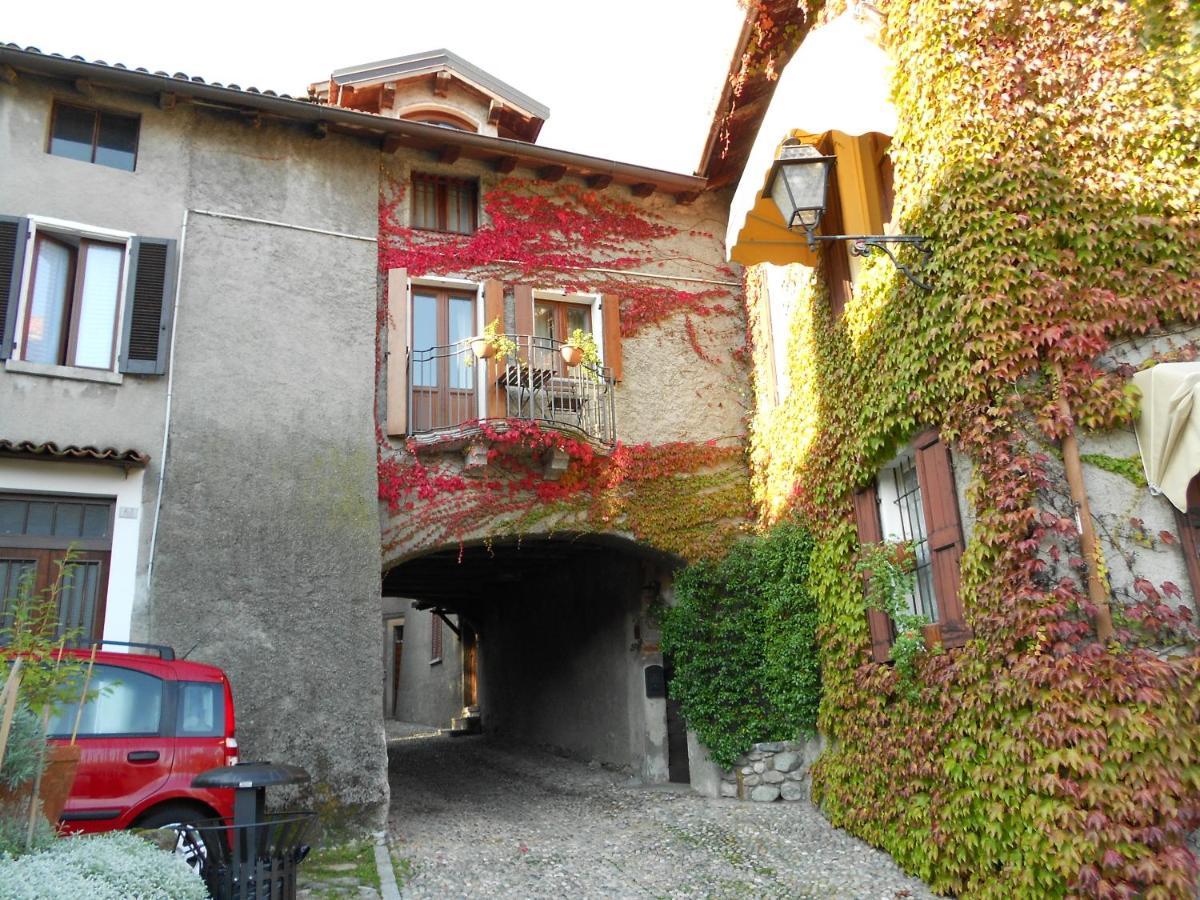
(114,866)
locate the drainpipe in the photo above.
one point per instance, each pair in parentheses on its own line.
(1097,590)
(162,456)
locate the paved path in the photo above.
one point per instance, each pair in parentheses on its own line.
(481,820)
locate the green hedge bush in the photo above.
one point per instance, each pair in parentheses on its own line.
(742,639)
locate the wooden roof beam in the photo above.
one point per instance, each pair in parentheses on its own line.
(505,164)
(685,198)
(552,173)
(642,189)
(391,143)
(598,182)
(441,84)
(449,153)
(495,111)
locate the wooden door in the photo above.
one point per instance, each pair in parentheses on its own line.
(443,385)
(397,655)
(554,321)
(678,768)
(470,651)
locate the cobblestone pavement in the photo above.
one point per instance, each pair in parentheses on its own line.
(478,819)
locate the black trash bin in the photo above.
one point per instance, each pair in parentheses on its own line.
(257,857)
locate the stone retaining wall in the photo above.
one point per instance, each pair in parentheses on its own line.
(775,770)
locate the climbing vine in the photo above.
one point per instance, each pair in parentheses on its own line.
(685,497)
(562,236)
(1048,151)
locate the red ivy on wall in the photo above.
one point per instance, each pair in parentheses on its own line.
(558,240)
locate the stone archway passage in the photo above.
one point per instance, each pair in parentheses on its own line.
(544,641)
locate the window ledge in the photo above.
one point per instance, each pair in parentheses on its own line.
(74,373)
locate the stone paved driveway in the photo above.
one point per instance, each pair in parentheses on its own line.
(478,819)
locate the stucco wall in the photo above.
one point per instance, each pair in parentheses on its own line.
(1129,518)
(268,542)
(430,693)
(149,202)
(668,392)
(559,664)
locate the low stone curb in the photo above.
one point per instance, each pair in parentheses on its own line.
(388,889)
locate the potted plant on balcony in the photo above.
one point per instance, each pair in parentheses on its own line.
(493,342)
(580,348)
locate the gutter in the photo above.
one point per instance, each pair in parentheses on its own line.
(415,134)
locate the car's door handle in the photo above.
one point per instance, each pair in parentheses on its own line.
(142,756)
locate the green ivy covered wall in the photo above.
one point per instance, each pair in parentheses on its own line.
(1049,151)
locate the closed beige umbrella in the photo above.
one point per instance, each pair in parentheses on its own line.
(1168,429)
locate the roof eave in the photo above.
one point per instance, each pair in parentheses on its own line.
(402,132)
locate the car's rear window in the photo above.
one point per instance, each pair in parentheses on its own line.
(124,702)
(201,709)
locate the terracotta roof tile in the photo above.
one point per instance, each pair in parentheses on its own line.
(49,450)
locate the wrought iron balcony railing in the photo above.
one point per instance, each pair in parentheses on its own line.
(450,391)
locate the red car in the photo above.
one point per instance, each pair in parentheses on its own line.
(153,724)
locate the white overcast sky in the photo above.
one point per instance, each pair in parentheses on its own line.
(632,80)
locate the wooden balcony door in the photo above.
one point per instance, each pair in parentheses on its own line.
(443,385)
(555,320)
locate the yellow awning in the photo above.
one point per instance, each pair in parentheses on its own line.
(839,80)
(1168,428)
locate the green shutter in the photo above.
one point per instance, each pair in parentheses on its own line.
(149,300)
(13,234)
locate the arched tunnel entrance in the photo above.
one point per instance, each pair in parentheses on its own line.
(547,641)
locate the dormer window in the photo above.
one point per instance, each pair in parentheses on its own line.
(440,203)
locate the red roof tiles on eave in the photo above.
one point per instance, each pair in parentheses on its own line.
(48,450)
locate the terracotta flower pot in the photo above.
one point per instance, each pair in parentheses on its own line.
(62,761)
(571,354)
(933,636)
(483,348)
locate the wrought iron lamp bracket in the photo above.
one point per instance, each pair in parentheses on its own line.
(866,244)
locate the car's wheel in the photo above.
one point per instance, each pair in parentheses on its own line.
(191,844)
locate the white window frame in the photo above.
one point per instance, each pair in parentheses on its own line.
(39,224)
(891,522)
(592,301)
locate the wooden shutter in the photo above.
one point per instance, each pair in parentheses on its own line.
(493,309)
(834,254)
(523,295)
(866,515)
(1189,537)
(940,502)
(149,299)
(610,315)
(13,232)
(397,352)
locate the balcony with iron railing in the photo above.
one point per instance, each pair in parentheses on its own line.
(450,390)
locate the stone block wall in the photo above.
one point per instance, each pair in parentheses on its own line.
(774,770)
